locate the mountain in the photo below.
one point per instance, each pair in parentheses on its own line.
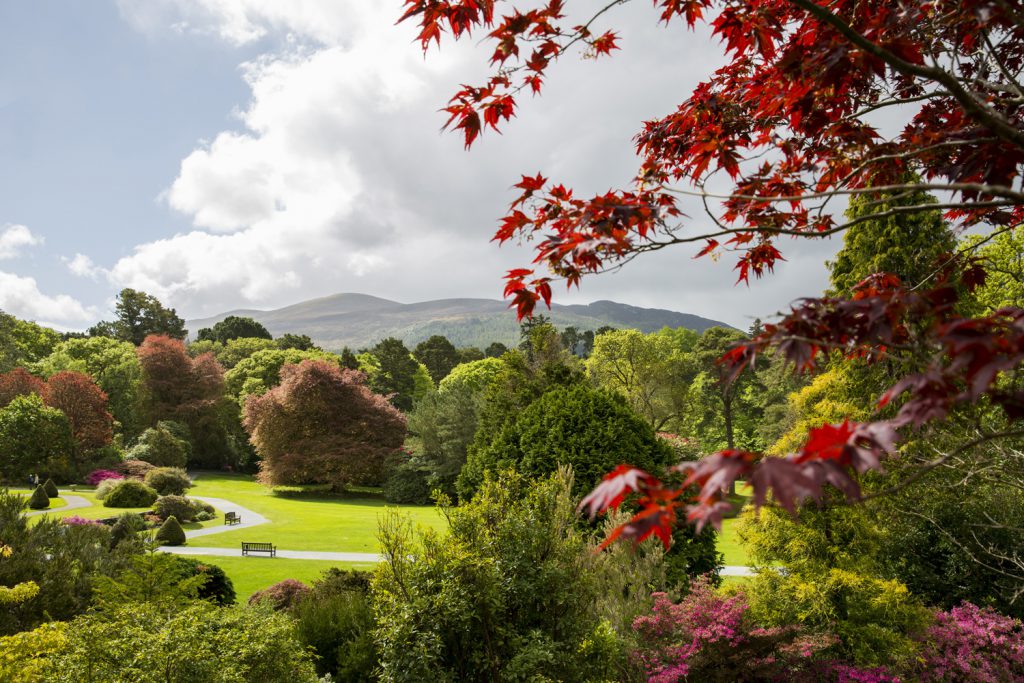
(360,320)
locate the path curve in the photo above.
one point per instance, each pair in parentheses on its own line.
(70,503)
(249,518)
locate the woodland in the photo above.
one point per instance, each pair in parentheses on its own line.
(867,443)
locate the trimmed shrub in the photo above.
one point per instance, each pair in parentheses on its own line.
(135,469)
(39,500)
(171,533)
(168,481)
(179,507)
(75,520)
(105,487)
(159,447)
(218,587)
(51,489)
(127,526)
(283,595)
(129,494)
(408,484)
(97,476)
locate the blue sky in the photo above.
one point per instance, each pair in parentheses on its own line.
(254,153)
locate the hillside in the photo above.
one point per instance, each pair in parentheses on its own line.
(360,320)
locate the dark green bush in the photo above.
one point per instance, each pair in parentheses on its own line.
(591,430)
(168,481)
(51,489)
(129,494)
(127,526)
(181,507)
(171,533)
(408,484)
(339,627)
(160,447)
(218,587)
(39,500)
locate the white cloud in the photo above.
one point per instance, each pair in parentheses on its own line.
(14,238)
(20,296)
(82,266)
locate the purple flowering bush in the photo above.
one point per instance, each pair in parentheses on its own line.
(712,637)
(75,520)
(96,476)
(282,595)
(971,643)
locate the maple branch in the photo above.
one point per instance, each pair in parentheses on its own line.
(980,188)
(971,105)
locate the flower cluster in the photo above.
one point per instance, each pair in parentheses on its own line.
(75,520)
(96,476)
(973,643)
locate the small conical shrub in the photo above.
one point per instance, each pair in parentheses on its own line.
(51,488)
(39,499)
(171,532)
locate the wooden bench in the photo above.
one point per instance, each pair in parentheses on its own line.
(259,548)
(231,518)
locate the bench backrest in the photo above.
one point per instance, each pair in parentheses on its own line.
(230,515)
(257,546)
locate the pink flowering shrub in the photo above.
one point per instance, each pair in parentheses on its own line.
(96,476)
(710,637)
(970,643)
(75,520)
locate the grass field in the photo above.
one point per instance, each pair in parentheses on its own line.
(314,522)
(250,574)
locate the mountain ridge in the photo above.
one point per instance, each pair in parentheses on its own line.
(360,320)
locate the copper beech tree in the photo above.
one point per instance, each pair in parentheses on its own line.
(786,127)
(323,425)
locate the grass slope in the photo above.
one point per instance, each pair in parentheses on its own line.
(314,522)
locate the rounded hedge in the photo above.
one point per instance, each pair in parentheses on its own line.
(51,489)
(168,481)
(129,494)
(408,485)
(179,507)
(171,533)
(39,500)
(591,429)
(218,587)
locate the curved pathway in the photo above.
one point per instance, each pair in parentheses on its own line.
(70,503)
(251,519)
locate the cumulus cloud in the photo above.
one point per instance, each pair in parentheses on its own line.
(14,238)
(82,266)
(340,181)
(20,296)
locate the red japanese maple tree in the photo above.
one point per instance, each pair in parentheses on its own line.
(786,125)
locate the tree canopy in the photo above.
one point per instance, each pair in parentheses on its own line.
(138,316)
(233,327)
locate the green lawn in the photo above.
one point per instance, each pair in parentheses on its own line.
(250,574)
(97,511)
(729,545)
(54,502)
(316,522)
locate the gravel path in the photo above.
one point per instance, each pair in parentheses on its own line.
(249,518)
(71,503)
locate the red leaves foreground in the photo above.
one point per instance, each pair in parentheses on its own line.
(882,317)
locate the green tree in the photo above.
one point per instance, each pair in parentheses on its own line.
(395,373)
(726,412)
(468,354)
(510,592)
(261,371)
(1003,256)
(438,355)
(115,368)
(138,316)
(238,349)
(907,245)
(301,342)
(495,350)
(34,439)
(23,342)
(590,430)
(234,327)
